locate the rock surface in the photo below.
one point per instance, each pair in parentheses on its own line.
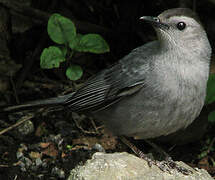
(124,166)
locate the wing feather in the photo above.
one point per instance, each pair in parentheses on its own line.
(112,84)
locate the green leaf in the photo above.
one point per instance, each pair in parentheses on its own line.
(210,89)
(202,154)
(61,29)
(74,72)
(211,117)
(51,57)
(75,43)
(93,43)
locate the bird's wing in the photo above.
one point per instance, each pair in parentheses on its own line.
(110,85)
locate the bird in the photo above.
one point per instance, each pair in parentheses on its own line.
(155,90)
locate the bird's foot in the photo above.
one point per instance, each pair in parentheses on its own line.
(166,165)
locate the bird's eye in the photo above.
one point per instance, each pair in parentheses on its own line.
(157,19)
(181,26)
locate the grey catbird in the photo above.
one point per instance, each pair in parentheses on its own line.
(155,90)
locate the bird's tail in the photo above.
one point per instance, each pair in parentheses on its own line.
(51,102)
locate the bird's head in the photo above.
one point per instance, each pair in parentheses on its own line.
(179,28)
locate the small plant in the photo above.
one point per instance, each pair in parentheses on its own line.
(210,98)
(63,32)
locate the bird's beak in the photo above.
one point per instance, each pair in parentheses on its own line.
(155,21)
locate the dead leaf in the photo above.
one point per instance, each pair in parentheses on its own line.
(35,155)
(44,145)
(50,151)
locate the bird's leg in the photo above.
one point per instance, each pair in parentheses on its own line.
(165,165)
(168,162)
(137,151)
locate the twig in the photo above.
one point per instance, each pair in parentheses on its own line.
(24,119)
(6,165)
(94,125)
(14,89)
(84,131)
(211,144)
(77,147)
